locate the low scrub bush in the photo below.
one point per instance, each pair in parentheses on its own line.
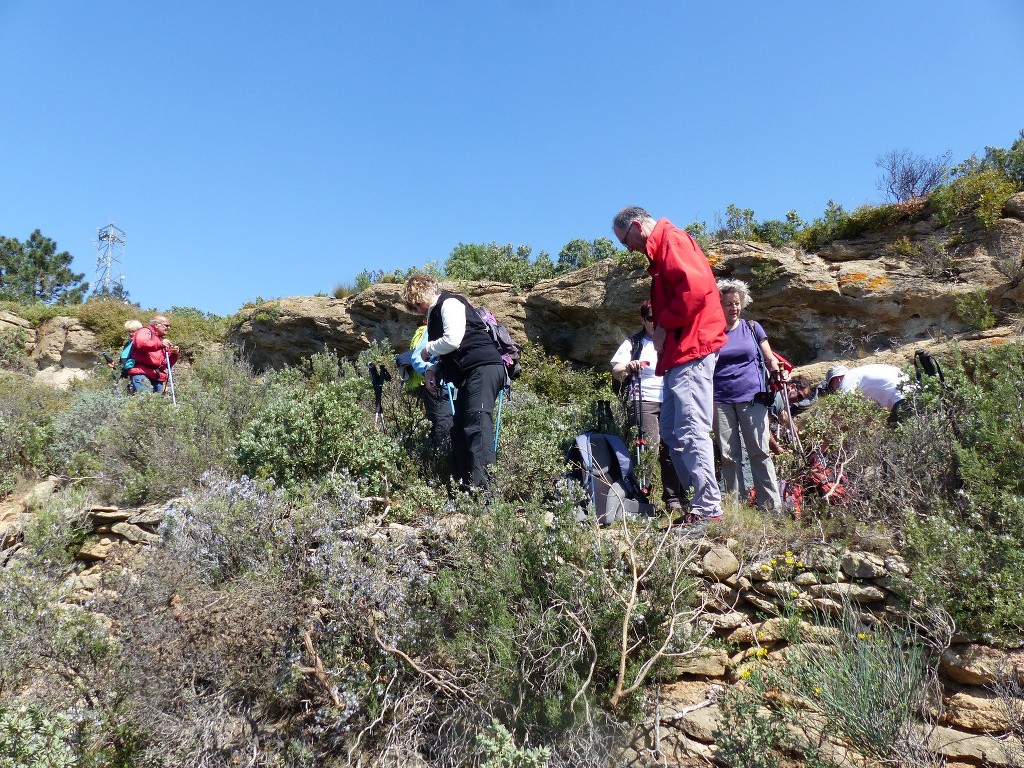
(381,642)
(152,450)
(62,665)
(13,356)
(857,686)
(26,410)
(308,428)
(944,486)
(981,192)
(974,309)
(837,224)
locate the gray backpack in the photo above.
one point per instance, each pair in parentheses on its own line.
(602,465)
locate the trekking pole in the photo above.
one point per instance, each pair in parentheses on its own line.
(378,375)
(501,398)
(113,369)
(638,416)
(170,377)
(451,400)
(793,433)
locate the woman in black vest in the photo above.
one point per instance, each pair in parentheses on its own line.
(469,359)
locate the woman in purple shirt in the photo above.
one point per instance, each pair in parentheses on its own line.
(741,411)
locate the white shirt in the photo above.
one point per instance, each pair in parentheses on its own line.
(650,385)
(453,320)
(879,382)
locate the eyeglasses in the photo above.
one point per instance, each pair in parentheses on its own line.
(626,234)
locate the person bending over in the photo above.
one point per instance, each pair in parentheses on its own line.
(469,359)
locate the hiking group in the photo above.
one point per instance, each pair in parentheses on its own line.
(148,357)
(702,384)
(709,382)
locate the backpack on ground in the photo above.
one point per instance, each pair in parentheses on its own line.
(503,340)
(126,361)
(602,465)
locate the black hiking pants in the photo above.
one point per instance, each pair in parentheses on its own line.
(473,426)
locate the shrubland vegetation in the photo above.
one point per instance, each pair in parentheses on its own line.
(320,597)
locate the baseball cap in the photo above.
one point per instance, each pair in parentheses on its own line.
(836,370)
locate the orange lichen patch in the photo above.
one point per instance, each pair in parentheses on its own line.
(995,342)
(823,287)
(863,280)
(714,259)
(877,282)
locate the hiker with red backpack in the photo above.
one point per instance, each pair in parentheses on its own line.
(634,364)
(469,358)
(742,398)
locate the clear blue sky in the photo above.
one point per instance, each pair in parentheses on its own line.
(276,149)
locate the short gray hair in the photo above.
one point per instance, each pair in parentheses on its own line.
(628,215)
(731,285)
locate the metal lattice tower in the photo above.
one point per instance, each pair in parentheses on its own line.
(110,260)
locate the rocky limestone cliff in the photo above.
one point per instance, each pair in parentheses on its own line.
(850,300)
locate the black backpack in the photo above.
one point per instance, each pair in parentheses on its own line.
(927,365)
(602,465)
(503,340)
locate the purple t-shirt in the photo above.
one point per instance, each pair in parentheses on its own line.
(738,375)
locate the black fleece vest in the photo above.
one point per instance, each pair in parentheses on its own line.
(477,347)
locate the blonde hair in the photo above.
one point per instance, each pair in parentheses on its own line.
(730,285)
(419,289)
(132,326)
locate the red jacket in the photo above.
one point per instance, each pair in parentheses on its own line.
(148,354)
(684,297)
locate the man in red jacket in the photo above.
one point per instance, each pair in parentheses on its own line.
(690,331)
(151,350)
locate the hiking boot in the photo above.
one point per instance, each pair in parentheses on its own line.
(676,512)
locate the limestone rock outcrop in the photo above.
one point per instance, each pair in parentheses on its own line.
(851,300)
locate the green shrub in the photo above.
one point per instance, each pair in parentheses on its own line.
(867,687)
(32,737)
(76,431)
(833,225)
(973,308)
(763,274)
(36,312)
(500,750)
(26,410)
(63,662)
(837,224)
(307,429)
(779,233)
(58,528)
(748,733)
(944,487)
(13,356)
(106,318)
(976,190)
